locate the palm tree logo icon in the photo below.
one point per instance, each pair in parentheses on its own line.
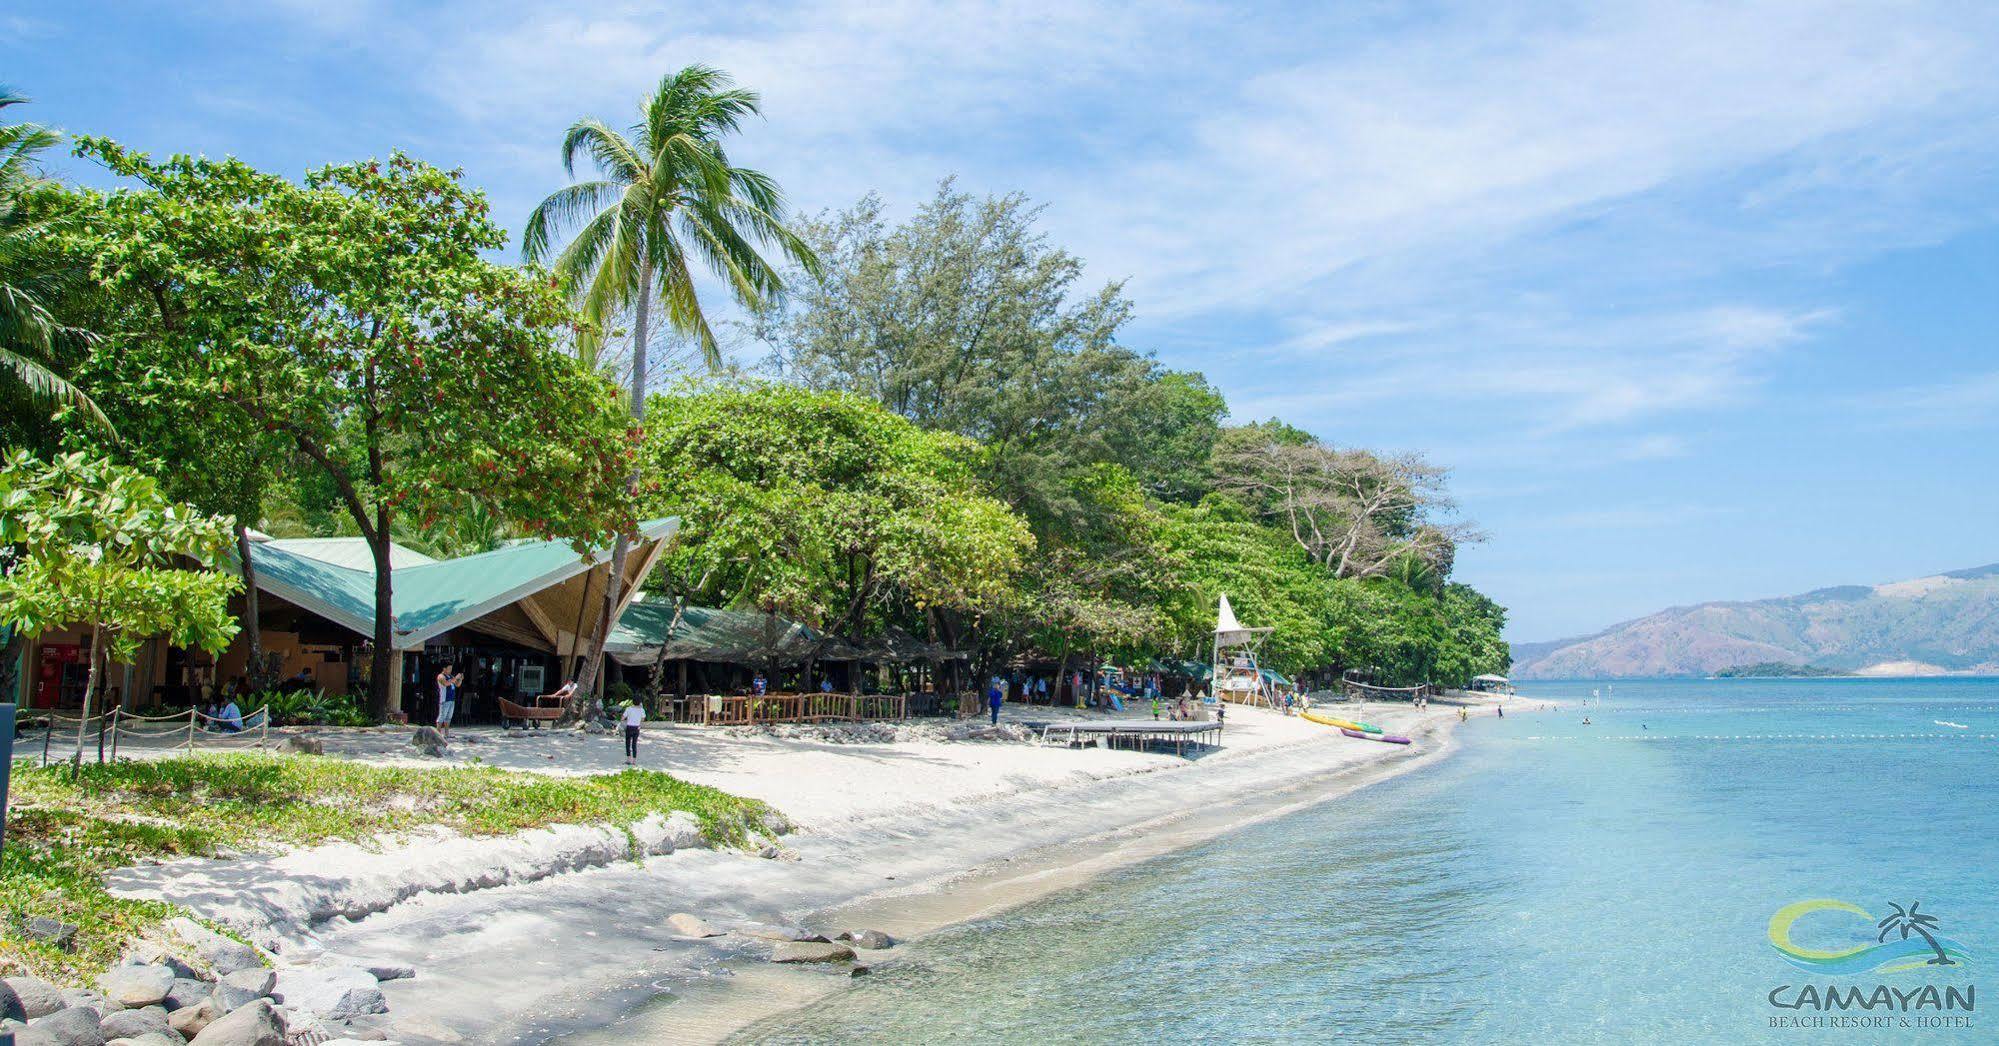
(1910,921)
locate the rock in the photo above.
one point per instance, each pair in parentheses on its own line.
(811,951)
(149,1039)
(257,1024)
(72,997)
(10,1005)
(149,953)
(226,954)
(189,1020)
(303,745)
(782,933)
(136,985)
(392,973)
(689,925)
(872,940)
(243,988)
(38,997)
(72,1027)
(859,971)
(130,1024)
(186,992)
(427,741)
(326,990)
(60,935)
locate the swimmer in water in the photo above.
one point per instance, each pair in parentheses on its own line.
(1585,720)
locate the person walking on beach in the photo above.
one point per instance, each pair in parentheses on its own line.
(1155,707)
(994,696)
(635,714)
(1221,715)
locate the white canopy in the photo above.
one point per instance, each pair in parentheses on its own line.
(1229,631)
(1489,679)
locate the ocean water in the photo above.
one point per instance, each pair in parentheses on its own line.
(1550,882)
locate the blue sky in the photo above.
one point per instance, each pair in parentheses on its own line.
(1699,301)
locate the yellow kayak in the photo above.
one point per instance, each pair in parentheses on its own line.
(1345,724)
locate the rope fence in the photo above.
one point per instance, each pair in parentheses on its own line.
(186,731)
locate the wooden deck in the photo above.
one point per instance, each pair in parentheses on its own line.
(794,708)
(1135,734)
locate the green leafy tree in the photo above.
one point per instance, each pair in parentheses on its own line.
(30,331)
(98,544)
(356,320)
(825,507)
(666,191)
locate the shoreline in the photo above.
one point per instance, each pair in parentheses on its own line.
(717,1010)
(906,828)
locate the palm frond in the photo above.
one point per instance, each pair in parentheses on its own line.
(564,207)
(47,385)
(614,156)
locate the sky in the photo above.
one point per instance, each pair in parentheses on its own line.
(1697,301)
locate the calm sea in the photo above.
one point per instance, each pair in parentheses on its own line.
(1551,882)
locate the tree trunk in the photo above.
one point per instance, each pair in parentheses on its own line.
(613,583)
(89,696)
(379,683)
(258,674)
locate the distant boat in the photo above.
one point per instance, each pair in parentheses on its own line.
(1948,723)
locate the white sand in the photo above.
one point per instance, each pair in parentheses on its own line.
(911,835)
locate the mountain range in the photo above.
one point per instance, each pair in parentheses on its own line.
(1937,625)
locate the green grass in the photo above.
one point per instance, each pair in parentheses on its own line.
(63,835)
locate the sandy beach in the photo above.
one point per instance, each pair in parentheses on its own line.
(896,829)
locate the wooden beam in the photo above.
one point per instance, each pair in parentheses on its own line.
(541,622)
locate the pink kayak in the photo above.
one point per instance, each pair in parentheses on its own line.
(1393,739)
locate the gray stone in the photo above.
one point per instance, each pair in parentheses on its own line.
(226,954)
(130,1024)
(257,1024)
(85,997)
(54,932)
(323,989)
(689,925)
(872,940)
(10,1005)
(859,971)
(427,741)
(149,1039)
(303,745)
(357,1002)
(38,997)
(189,1020)
(136,985)
(781,933)
(392,972)
(186,992)
(73,1027)
(811,951)
(243,987)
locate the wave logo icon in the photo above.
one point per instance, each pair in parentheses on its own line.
(1904,939)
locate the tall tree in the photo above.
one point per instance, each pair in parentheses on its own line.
(30,332)
(355,319)
(666,190)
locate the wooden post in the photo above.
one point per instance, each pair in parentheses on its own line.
(114,733)
(191,715)
(396,680)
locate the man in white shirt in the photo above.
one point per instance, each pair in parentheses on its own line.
(634,715)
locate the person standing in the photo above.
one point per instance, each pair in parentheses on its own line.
(635,714)
(448,682)
(994,696)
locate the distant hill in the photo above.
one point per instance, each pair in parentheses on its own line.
(1945,623)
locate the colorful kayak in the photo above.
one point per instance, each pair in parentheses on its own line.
(1323,719)
(1375,735)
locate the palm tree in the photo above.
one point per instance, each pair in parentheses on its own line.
(666,191)
(1910,922)
(29,332)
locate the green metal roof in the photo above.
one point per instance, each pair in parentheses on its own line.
(711,634)
(434,597)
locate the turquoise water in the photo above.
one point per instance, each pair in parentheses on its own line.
(1550,882)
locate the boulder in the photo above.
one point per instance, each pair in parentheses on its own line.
(189,1020)
(186,992)
(392,972)
(38,997)
(226,954)
(257,1024)
(53,932)
(243,988)
(811,951)
(303,745)
(72,997)
(130,1024)
(427,741)
(149,1039)
(72,1027)
(859,971)
(327,990)
(689,925)
(10,1005)
(872,940)
(150,953)
(767,932)
(136,985)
